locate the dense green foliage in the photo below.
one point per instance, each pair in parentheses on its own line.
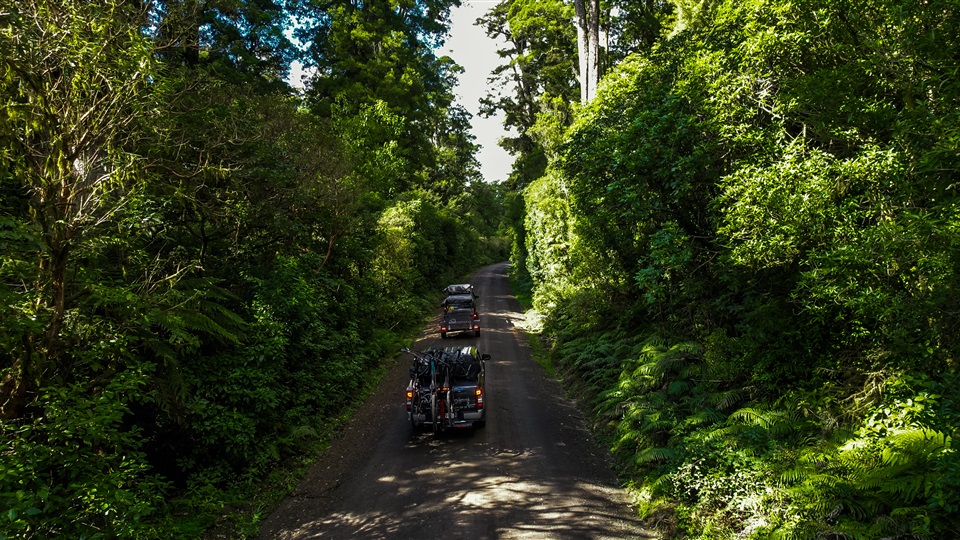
(202,267)
(746,249)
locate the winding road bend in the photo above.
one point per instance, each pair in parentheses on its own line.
(534,471)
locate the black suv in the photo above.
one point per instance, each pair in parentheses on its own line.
(460,310)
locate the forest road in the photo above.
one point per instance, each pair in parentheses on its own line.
(534,471)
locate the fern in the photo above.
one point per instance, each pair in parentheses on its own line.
(654,455)
(776,422)
(704,417)
(723,433)
(195,307)
(679,387)
(867,487)
(924,442)
(656,361)
(900,468)
(727,399)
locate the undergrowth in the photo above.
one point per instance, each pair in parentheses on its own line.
(707,455)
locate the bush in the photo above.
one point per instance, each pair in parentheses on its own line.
(77,468)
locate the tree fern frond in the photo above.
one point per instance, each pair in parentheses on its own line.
(776,422)
(678,387)
(726,432)
(795,475)
(726,400)
(160,348)
(223,312)
(653,455)
(174,325)
(704,417)
(202,322)
(919,441)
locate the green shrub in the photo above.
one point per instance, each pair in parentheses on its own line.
(77,467)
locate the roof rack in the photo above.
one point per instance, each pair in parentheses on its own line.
(459,288)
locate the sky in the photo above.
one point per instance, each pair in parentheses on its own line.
(470,47)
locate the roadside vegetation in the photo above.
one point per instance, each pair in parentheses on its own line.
(742,245)
(200,266)
(746,247)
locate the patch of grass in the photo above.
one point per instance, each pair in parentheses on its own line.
(540,354)
(522,287)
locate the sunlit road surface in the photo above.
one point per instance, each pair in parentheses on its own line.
(532,472)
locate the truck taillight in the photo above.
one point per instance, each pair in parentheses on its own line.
(409,399)
(476,316)
(479,393)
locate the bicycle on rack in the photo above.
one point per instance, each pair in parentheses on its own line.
(428,394)
(446,388)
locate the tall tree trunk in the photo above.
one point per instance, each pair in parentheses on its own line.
(593,38)
(580,22)
(588,46)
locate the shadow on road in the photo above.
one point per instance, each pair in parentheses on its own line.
(452,499)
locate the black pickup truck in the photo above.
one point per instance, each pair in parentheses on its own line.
(446,388)
(460,310)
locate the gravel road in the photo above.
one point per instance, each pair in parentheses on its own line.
(533,472)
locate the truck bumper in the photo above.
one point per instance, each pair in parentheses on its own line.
(464,419)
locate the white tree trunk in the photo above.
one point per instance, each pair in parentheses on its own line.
(588,46)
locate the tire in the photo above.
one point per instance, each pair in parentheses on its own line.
(443,335)
(479,424)
(476,333)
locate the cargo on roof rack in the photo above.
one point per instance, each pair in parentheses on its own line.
(459,310)
(460,288)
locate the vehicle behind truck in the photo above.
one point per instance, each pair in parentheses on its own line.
(460,312)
